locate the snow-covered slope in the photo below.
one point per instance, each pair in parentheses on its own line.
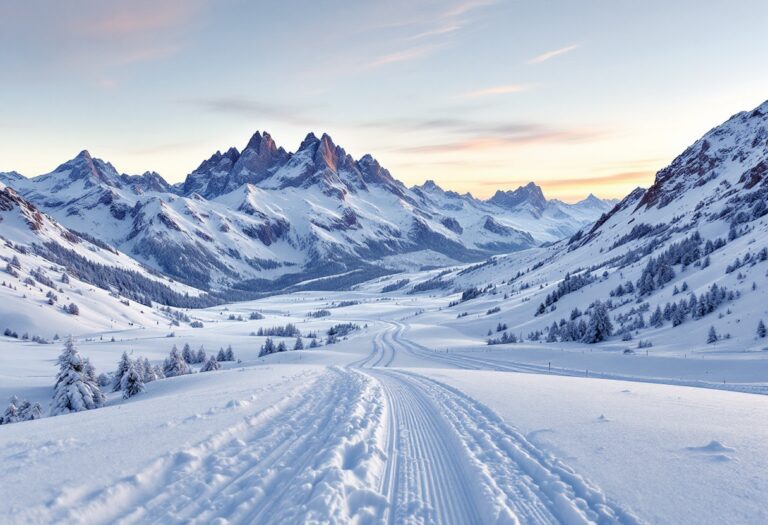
(264,219)
(695,245)
(46,268)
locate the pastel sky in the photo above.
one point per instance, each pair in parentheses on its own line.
(579,96)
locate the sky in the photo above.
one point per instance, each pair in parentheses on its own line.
(478,95)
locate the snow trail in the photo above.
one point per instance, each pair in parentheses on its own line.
(313,457)
(453,460)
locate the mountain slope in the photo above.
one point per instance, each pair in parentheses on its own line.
(694,245)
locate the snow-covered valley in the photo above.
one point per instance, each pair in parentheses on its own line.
(404,420)
(615,374)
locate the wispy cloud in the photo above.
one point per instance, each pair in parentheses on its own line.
(255,109)
(639,178)
(552,54)
(499,90)
(433,30)
(500,141)
(405,55)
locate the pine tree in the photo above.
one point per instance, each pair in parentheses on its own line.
(281,347)
(229,353)
(600,326)
(267,348)
(132,382)
(761,331)
(122,367)
(187,354)
(299,344)
(313,343)
(200,357)
(678,315)
(210,365)
(74,391)
(174,364)
(148,371)
(221,356)
(712,335)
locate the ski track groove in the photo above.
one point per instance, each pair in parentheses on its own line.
(453,460)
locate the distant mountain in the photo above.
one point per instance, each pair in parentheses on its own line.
(264,219)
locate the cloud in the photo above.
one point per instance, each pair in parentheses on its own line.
(250,108)
(638,178)
(499,90)
(433,28)
(95,36)
(501,140)
(552,54)
(406,55)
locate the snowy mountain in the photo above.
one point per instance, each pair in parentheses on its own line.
(687,256)
(264,219)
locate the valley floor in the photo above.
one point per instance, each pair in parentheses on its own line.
(409,420)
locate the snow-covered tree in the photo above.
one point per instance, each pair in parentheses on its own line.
(148,371)
(712,335)
(281,347)
(267,348)
(175,364)
(299,344)
(74,391)
(229,353)
(122,367)
(761,331)
(221,356)
(210,365)
(132,382)
(200,357)
(73,309)
(313,343)
(187,354)
(599,327)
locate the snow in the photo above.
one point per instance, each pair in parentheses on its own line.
(389,424)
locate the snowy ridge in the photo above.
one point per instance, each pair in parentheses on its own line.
(264,219)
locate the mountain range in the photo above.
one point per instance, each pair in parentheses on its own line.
(264,219)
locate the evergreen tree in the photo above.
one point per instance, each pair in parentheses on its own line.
(761,332)
(132,382)
(229,353)
(712,335)
(299,344)
(187,354)
(313,343)
(200,357)
(158,370)
(148,371)
(600,326)
(221,356)
(267,348)
(281,347)
(175,364)
(678,315)
(122,367)
(74,391)
(210,365)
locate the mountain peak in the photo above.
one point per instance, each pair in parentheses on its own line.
(531,194)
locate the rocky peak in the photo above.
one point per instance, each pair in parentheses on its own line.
(529,194)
